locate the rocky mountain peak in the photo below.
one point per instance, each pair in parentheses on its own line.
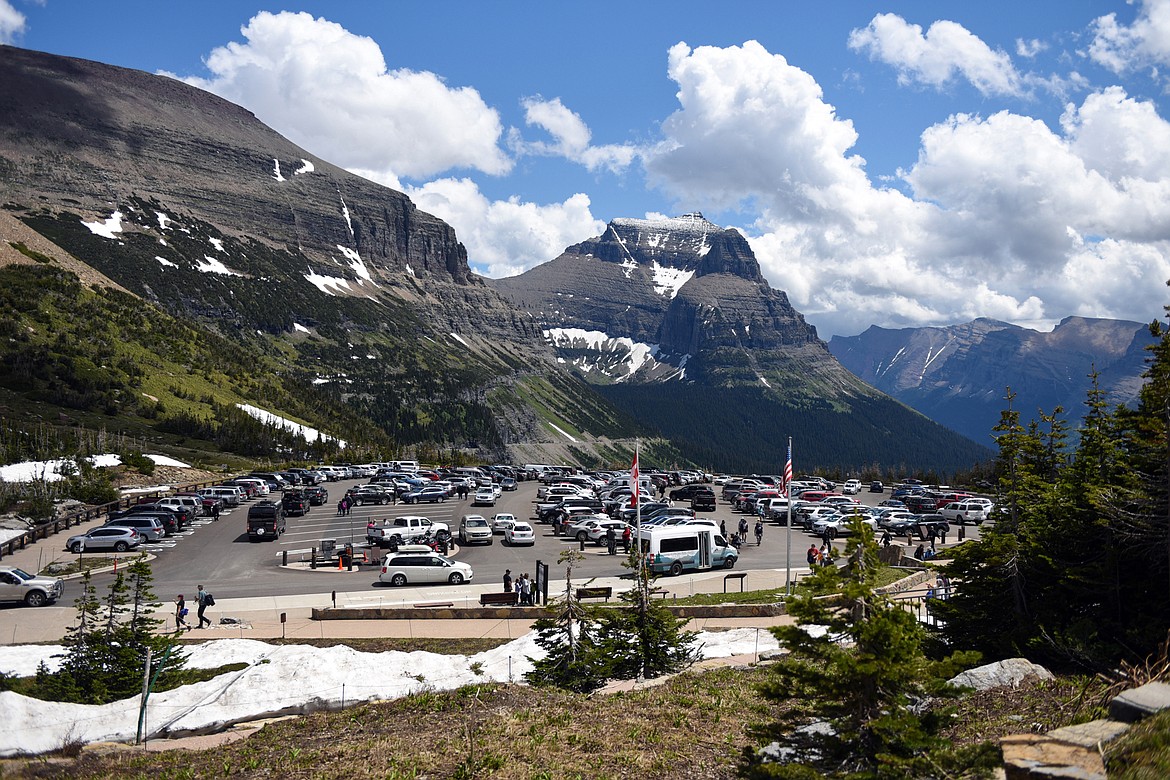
(672,250)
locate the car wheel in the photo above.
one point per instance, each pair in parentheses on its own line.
(960,520)
(455,579)
(581,536)
(35,599)
(75,547)
(398,580)
(121,547)
(675,569)
(832,533)
(728,563)
(384,501)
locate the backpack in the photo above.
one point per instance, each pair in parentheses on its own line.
(209,600)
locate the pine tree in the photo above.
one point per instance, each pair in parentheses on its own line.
(855,665)
(644,639)
(571,659)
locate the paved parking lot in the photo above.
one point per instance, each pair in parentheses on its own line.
(220,555)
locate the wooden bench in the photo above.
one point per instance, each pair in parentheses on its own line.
(435,604)
(594,593)
(499,598)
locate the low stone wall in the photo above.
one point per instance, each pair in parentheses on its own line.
(525,613)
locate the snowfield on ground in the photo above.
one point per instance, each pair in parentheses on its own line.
(50,470)
(280,679)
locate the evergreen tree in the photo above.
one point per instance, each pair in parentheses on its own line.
(644,639)
(106,650)
(571,659)
(855,665)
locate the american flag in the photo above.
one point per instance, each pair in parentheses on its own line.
(788,467)
(634,482)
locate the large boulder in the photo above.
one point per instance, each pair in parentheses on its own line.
(1009,672)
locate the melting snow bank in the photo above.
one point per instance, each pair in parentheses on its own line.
(281,679)
(50,470)
(310,434)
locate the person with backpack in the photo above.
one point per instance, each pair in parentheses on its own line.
(759,532)
(205,600)
(743,528)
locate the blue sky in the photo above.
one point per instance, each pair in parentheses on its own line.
(898,163)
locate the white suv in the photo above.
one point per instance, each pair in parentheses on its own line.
(851,487)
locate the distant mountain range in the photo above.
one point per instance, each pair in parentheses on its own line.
(958,375)
(673,321)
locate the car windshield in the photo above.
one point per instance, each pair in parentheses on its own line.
(477,522)
(24,575)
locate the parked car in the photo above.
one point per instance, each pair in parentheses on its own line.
(418,568)
(876,487)
(318,495)
(149,527)
(473,529)
(687,492)
(429,494)
(519,533)
(369,494)
(502,521)
(963,511)
(851,487)
(703,502)
(109,538)
(18,585)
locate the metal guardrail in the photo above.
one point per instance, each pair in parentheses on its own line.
(77,517)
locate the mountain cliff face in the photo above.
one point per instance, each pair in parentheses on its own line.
(361,299)
(673,320)
(958,375)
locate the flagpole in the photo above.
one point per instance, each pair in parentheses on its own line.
(638,512)
(788,528)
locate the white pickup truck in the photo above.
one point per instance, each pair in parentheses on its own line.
(404,529)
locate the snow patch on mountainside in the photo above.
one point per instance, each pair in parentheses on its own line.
(212,265)
(330,285)
(668,281)
(264,416)
(617,357)
(106,228)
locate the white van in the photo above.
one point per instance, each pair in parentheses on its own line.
(409,466)
(678,548)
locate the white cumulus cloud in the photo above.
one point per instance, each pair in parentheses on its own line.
(1005,217)
(571,137)
(506,237)
(12,22)
(1145,42)
(947,50)
(330,91)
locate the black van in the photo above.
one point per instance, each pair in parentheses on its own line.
(703,502)
(265,521)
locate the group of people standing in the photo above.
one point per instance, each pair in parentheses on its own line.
(822,556)
(523,586)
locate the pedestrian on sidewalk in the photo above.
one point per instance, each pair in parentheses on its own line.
(181,613)
(525,590)
(507,580)
(204,600)
(759,532)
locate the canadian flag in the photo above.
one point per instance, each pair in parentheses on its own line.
(634,482)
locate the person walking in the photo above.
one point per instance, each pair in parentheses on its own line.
(743,529)
(886,538)
(627,536)
(181,613)
(204,600)
(215,511)
(525,590)
(507,580)
(723,528)
(759,532)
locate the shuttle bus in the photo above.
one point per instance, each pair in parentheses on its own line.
(678,548)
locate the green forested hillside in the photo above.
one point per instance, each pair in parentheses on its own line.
(702,420)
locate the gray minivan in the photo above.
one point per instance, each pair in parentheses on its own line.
(149,527)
